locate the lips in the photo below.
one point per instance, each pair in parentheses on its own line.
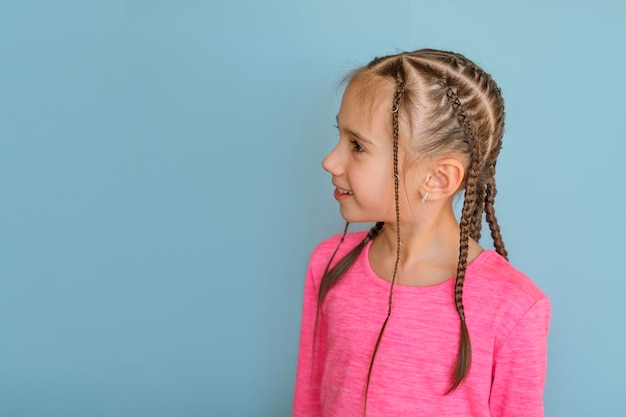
(343,191)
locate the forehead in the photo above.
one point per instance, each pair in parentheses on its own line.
(372,90)
(367,101)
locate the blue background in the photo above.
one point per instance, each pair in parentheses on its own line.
(161,190)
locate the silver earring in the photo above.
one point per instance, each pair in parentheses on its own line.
(425,197)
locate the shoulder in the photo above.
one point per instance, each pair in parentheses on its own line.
(493,272)
(323,252)
(498,289)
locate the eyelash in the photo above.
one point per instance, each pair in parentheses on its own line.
(356,146)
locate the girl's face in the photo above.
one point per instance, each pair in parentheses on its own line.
(361,164)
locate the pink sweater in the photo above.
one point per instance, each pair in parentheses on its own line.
(507,317)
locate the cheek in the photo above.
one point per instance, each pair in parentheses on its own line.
(381,188)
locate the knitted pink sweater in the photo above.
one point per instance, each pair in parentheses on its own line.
(507,317)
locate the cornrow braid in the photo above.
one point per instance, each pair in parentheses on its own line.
(476,79)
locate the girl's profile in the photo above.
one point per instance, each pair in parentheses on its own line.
(414,317)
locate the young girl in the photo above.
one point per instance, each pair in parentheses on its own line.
(414,318)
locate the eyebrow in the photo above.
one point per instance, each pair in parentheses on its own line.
(353,133)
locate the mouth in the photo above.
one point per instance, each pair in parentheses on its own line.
(343,191)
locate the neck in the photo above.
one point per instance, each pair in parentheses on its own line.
(421,240)
(429,249)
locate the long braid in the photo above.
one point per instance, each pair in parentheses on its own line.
(476,218)
(480,94)
(332,257)
(397,100)
(471,200)
(490,214)
(332,275)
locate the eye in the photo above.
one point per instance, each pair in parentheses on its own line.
(356,146)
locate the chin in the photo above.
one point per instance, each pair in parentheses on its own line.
(357,219)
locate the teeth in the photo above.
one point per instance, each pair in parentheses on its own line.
(342,191)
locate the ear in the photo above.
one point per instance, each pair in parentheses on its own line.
(444,179)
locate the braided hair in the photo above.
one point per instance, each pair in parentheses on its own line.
(460,109)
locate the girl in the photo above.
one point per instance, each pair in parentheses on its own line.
(414,318)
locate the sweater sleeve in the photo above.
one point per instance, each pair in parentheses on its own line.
(520,366)
(311,354)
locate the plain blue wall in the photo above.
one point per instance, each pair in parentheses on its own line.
(161,190)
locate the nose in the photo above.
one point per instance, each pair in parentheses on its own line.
(331,163)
